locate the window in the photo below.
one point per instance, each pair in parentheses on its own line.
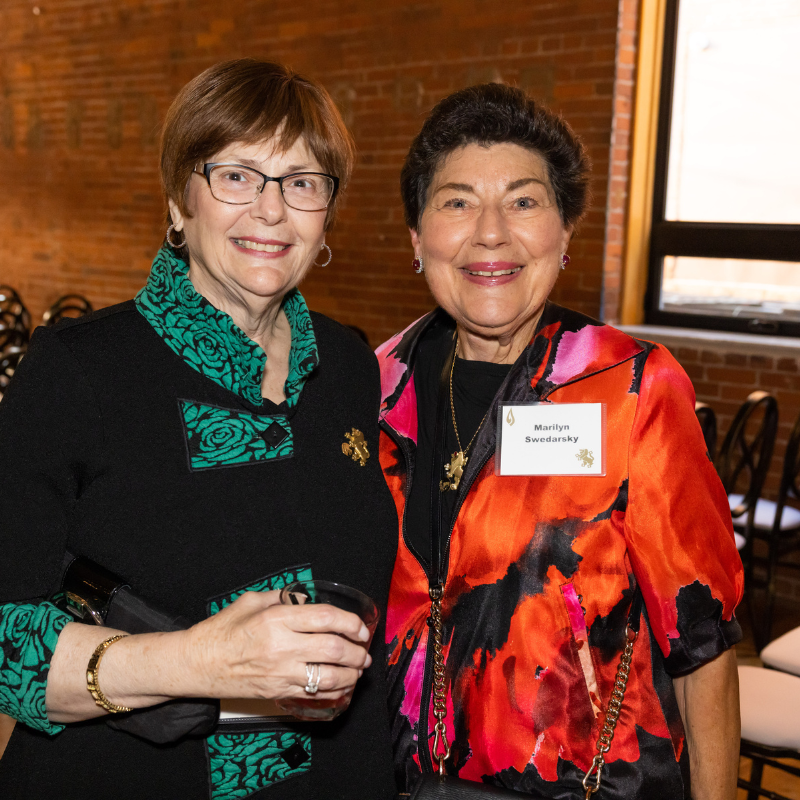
(725,240)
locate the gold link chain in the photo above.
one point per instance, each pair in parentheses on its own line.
(441,747)
(612,716)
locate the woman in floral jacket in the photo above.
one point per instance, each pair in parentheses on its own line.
(536,575)
(191,441)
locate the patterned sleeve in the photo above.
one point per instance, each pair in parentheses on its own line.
(678,524)
(50,434)
(28,636)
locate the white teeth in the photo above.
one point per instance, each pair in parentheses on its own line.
(494,273)
(264,248)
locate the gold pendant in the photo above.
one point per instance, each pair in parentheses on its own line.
(454,471)
(356,446)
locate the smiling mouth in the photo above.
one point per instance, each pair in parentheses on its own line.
(264,248)
(495,273)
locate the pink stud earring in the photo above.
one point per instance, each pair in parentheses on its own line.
(418,265)
(564,260)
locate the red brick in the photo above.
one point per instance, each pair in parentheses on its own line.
(740,377)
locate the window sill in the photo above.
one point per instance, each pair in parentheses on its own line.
(726,341)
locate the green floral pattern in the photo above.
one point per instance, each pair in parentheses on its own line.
(225,437)
(208,340)
(28,636)
(270,583)
(243,763)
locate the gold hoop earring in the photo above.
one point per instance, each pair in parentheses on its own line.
(171,243)
(330,256)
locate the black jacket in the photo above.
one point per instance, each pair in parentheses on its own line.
(93,458)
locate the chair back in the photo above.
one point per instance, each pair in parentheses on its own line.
(790,477)
(746,451)
(708,424)
(9,361)
(13,312)
(70,305)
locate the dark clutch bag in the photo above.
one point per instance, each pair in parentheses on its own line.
(94,595)
(432,787)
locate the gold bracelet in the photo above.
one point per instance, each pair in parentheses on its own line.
(91,677)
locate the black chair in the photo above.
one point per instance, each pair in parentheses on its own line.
(70,305)
(742,463)
(769,702)
(9,360)
(778,524)
(708,424)
(13,332)
(11,301)
(13,314)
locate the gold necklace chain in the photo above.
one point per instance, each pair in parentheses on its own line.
(453,408)
(455,469)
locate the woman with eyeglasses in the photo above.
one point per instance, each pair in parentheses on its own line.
(209,442)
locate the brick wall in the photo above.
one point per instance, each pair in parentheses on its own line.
(84,85)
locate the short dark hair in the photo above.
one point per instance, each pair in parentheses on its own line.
(493,113)
(248,100)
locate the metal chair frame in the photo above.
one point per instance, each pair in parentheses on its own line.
(749,452)
(780,542)
(69,302)
(11,303)
(708,424)
(761,756)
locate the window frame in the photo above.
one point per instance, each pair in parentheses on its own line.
(772,242)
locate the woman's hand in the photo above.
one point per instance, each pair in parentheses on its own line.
(254,648)
(257,647)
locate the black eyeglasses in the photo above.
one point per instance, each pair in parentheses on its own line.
(239,185)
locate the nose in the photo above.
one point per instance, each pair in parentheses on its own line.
(269,205)
(491,228)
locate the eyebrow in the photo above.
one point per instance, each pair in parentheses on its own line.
(465,187)
(249,162)
(524,182)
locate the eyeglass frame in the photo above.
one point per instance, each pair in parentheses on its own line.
(206,173)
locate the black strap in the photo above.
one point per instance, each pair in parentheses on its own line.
(439,457)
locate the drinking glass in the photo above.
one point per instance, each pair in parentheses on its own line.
(341,596)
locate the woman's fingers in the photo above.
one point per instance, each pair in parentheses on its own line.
(334,682)
(257,647)
(327,648)
(308,618)
(324,618)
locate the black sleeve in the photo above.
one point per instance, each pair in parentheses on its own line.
(50,449)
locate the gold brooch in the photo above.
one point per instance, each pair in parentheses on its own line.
(356,446)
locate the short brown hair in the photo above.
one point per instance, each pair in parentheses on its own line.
(249,101)
(493,113)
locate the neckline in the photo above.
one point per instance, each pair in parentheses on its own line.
(209,341)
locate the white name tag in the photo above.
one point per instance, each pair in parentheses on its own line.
(551,439)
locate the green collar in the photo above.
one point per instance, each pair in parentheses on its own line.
(208,340)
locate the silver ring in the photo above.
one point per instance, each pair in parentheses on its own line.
(313,684)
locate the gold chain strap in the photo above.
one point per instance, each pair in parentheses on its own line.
(441,747)
(612,715)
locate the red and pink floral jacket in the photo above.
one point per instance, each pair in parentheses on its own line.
(540,572)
